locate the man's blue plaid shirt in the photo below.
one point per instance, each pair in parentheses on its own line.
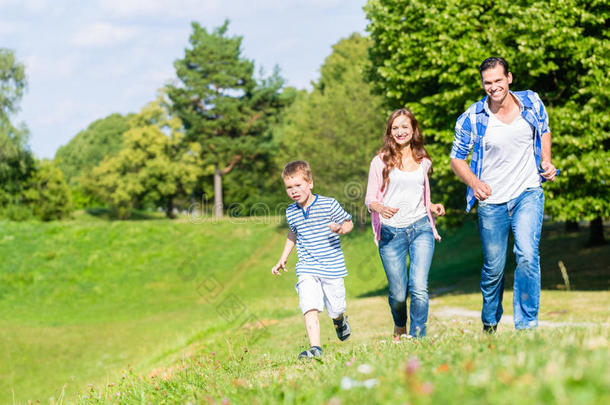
(472,125)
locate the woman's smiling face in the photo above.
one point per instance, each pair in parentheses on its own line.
(402,130)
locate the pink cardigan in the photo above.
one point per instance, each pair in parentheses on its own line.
(374,193)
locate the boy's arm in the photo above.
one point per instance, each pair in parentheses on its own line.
(345,227)
(281,264)
(340,221)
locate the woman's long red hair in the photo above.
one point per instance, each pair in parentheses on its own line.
(390,151)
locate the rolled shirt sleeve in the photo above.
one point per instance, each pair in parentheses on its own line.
(338,214)
(544,117)
(463,140)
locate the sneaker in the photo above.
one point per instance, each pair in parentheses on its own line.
(490,329)
(342,328)
(401,337)
(312,352)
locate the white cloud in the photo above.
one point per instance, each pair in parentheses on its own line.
(162,8)
(37,6)
(87,59)
(59,113)
(51,67)
(56,126)
(195,9)
(286,4)
(103,34)
(110,69)
(34,6)
(158,77)
(10,27)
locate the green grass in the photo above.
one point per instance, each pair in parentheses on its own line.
(456,364)
(81,300)
(86,301)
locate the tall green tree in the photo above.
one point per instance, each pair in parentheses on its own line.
(102,138)
(426,56)
(27,187)
(155,166)
(250,189)
(337,127)
(222,105)
(12,82)
(16,160)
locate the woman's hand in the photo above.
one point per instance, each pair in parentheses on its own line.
(385,211)
(437,209)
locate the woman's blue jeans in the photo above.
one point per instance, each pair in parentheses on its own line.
(523,216)
(417,242)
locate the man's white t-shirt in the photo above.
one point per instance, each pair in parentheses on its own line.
(405,192)
(509,164)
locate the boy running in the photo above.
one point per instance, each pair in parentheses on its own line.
(315,224)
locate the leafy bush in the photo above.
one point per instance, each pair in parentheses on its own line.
(16,212)
(47,194)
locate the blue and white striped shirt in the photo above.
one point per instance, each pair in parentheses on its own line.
(318,248)
(472,124)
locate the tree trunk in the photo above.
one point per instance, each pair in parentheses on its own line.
(169,208)
(572,226)
(596,232)
(217,192)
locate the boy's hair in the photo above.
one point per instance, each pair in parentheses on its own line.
(297,167)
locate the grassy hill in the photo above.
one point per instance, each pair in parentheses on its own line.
(92,308)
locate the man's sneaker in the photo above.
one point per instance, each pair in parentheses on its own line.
(490,329)
(312,352)
(342,328)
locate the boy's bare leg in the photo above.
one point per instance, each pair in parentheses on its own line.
(312,325)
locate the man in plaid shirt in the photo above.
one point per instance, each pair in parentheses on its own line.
(509,137)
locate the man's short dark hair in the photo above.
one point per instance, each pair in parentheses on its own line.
(492,62)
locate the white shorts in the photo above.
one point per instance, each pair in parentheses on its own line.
(319,292)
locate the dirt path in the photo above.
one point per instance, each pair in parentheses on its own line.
(373,315)
(456,312)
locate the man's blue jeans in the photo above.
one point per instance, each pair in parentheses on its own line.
(522,215)
(416,241)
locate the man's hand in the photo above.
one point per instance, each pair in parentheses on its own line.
(281,264)
(481,190)
(437,209)
(549,170)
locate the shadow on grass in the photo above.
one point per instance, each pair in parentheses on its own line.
(111,215)
(458,259)
(438,291)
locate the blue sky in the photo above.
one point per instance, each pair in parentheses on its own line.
(87,59)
